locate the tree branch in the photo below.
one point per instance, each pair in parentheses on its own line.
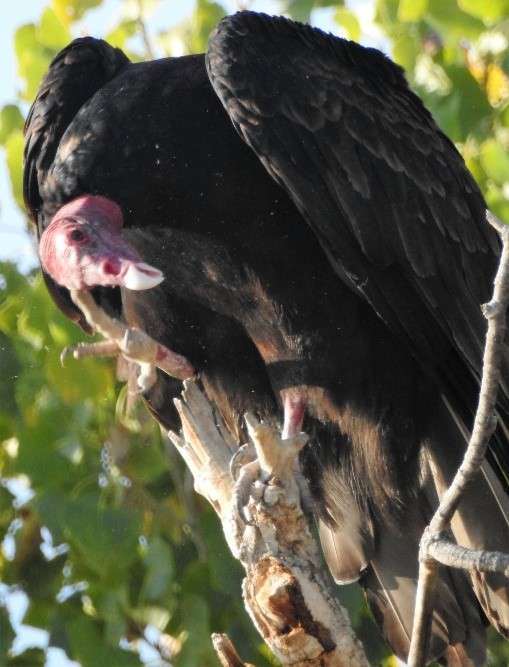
(434,547)
(284,591)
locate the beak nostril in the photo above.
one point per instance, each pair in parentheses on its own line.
(110,268)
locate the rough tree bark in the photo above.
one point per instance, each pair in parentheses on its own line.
(284,591)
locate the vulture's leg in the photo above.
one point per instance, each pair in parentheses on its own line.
(134,344)
(294,406)
(274,464)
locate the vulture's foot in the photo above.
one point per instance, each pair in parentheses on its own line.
(134,344)
(272,472)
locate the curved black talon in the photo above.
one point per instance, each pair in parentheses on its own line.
(246,453)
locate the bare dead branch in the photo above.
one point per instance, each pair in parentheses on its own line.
(226,652)
(284,591)
(446,552)
(433,547)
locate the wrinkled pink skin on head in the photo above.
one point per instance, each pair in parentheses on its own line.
(83,247)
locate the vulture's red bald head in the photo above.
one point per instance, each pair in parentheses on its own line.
(84,247)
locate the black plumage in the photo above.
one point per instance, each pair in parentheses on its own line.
(322,241)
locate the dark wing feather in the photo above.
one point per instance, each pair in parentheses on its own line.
(73,77)
(387,194)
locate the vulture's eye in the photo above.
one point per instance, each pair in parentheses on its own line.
(78,236)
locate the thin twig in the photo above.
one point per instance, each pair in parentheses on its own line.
(446,552)
(143,30)
(484,425)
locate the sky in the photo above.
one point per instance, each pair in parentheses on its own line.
(14,243)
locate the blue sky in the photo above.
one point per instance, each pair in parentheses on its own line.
(14,244)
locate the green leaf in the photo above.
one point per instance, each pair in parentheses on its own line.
(207,16)
(33,59)
(14,145)
(120,36)
(10,369)
(39,613)
(51,32)
(6,498)
(454,24)
(495,161)
(159,617)
(412,10)
(497,202)
(160,569)
(197,650)
(317,4)
(32,657)
(106,539)
(192,36)
(42,578)
(78,379)
(225,572)
(11,120)
(145,462)
(487,10)
(465,109)
(7,635)
(70,11)
(44,466)
(88,647)
(196,579)
(111,605)
(299,10)
(349,22)
(406,51)
(11,280)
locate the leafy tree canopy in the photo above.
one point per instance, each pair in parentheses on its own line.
(100,528)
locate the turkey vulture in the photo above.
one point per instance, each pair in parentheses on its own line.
(325,254)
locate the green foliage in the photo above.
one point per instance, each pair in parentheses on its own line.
(455,55)
(121,553)
(111,542)
(192,35)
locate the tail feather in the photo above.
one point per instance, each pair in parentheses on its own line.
(347,549)
(346,534)
(390,585)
